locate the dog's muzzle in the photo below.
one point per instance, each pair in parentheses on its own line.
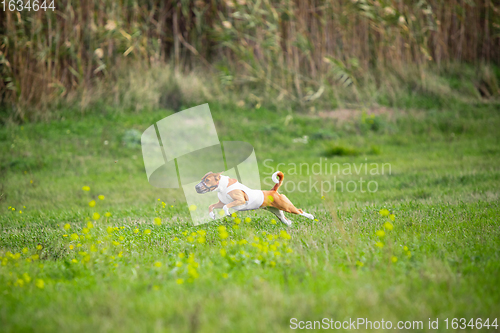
(202,188)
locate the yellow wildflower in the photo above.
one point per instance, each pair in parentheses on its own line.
(147,232)
(179,281)
(192,208)
(39,247)
(96,216)
(285,235)
(388,225)
(157,221)
(108,214)
(101,197)
(67,226)
(26,277)
(380,233)
(394,259)
(86,188)
(384,212)
(92,203)
(157,264)
(39,283)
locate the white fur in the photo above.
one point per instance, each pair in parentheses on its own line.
(309,216)
(279,214)
(275,177)
(226,210)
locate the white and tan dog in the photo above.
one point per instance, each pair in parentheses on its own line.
(233,194)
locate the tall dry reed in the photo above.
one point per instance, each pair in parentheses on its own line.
(290,48)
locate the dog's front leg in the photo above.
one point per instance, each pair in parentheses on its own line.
(238,200)
(212,207)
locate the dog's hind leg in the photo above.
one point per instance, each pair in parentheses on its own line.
(282,203)
(280,215)
(309,216)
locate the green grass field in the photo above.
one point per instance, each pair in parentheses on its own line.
(424,245)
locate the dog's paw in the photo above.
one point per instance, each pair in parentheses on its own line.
(287,222)
(309,216)
(226,210)
(212,215)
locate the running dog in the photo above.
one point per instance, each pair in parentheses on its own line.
(233,194)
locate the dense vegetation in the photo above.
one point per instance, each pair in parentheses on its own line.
(298,54)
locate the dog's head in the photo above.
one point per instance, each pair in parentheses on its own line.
(208,183)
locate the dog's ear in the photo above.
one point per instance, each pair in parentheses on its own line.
(217,175)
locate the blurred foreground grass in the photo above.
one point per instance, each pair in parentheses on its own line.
(424,245)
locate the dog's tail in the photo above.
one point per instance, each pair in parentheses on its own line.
(278,179)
